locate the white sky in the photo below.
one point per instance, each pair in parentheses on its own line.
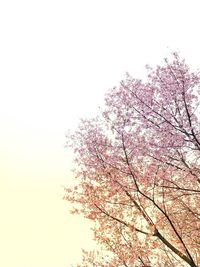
(57,59)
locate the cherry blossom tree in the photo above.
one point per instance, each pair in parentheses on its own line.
(138,171)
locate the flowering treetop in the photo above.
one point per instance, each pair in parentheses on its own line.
(139,171)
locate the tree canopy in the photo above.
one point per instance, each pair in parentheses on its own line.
(138,171)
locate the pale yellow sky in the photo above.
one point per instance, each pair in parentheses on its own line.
(57,59)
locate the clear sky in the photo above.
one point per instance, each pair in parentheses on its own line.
(57,59)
